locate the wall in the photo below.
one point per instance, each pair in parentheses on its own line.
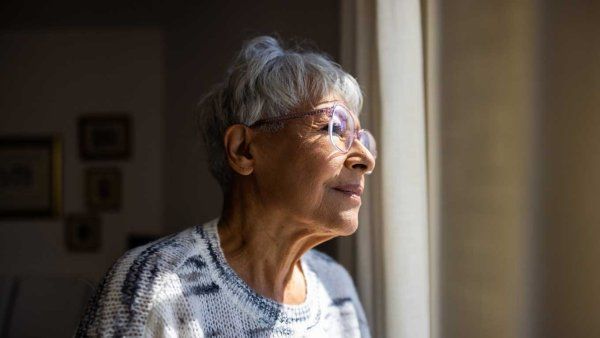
(519,168)
(487,111)
(49,78)
(569,300)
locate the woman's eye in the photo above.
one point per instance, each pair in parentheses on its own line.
(337,129)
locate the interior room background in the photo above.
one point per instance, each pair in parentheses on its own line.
(492,106)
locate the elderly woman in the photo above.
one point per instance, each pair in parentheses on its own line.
(285,144)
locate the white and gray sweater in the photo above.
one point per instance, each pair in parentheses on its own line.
(182,286)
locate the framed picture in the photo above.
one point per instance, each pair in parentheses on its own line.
(104,137)
(82,232)
(30,177)
(103,188)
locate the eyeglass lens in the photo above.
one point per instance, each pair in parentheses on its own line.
(342,129)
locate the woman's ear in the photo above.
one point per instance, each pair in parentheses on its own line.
(237,141)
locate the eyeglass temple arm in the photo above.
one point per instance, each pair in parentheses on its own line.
(290,116)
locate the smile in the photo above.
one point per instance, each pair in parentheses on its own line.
(352,191)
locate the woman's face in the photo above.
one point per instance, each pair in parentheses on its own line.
(299,172)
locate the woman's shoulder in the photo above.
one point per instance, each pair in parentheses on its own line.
(335,279)
(339,285)
(156,259)
(125,295)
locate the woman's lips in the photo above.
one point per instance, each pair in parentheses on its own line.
(351,190)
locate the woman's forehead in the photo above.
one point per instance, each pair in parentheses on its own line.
(330,100)
(329,103)
(335,99)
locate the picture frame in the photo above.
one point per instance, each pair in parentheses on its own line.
(31,176)
(82,232)
(103,188)
(104,136)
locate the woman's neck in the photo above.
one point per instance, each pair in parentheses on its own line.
(263,246)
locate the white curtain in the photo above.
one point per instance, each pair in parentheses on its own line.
(382,45)
(403,168)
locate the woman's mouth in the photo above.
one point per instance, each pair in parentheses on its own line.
(353,191)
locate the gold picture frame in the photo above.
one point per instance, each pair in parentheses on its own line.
(31,176)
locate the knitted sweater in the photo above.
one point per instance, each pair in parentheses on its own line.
(181,285)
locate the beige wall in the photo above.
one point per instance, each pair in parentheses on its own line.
(51,77)
(519,148)
(486,113)
(570,176)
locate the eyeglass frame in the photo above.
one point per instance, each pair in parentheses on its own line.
(329,111)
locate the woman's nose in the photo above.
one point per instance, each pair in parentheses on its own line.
(360,158)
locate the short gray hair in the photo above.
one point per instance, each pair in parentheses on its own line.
(267,80)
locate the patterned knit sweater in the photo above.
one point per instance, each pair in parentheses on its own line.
(182,286)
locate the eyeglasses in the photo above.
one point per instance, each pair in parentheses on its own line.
(342,128)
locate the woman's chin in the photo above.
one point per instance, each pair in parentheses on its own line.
(346,227)
(339,222)
(349,230)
